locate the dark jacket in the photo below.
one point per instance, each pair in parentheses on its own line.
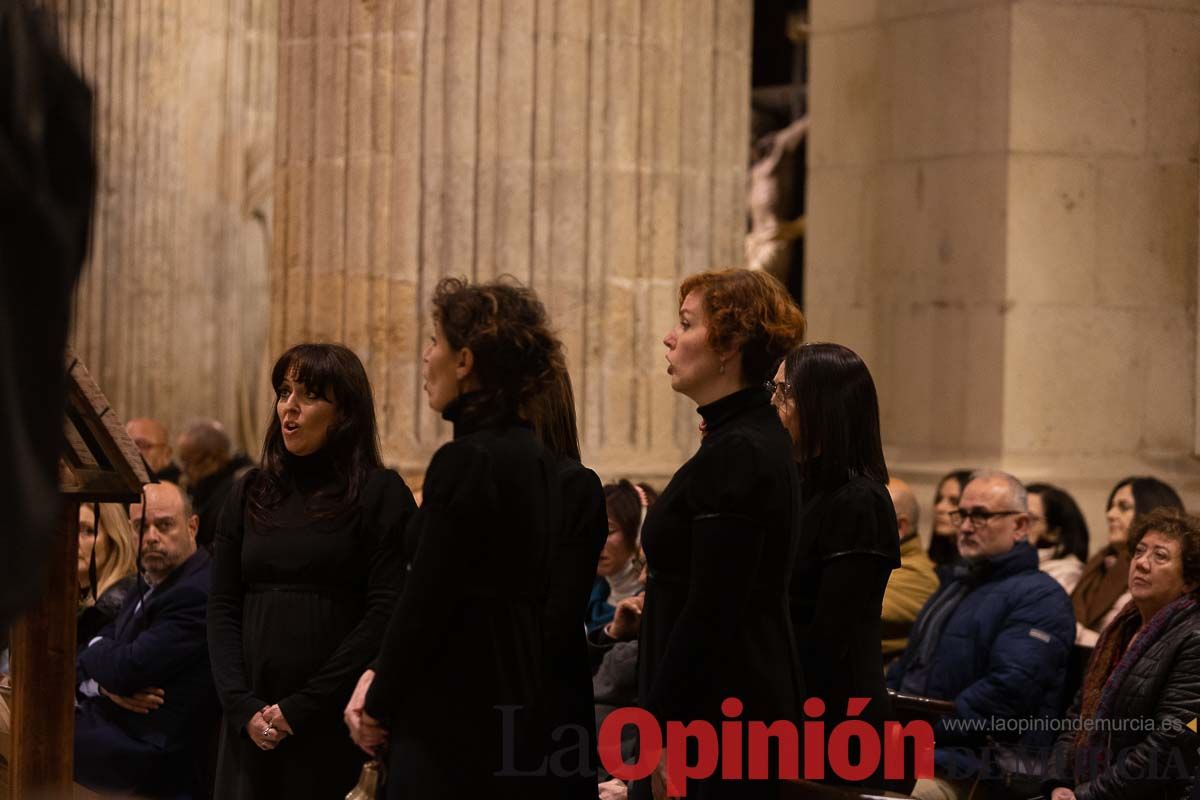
(721,546)
(1001,655)
(209,495)
(848,550)
(460,674)
(162,644)
(1163,686)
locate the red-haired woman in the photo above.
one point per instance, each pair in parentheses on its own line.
(720,539)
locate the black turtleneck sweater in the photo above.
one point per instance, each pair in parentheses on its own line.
(468,634)
(297,607)
(720,542)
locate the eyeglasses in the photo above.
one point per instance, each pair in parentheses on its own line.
(780,389)
(979,517)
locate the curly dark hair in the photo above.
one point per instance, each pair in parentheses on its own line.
(1174,524)
(505,327)
(751,311)
(334,373)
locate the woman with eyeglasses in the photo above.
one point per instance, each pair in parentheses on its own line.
(719,540)
(1102,590)
(850,544)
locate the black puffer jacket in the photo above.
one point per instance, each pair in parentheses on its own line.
(1162,689)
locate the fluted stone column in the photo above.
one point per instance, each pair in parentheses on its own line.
(1003,220)
(171,313)
(594,150)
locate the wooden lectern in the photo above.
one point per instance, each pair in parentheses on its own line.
(99,464)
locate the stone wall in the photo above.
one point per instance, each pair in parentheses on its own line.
(171,313)
(1003,221)
(595,151)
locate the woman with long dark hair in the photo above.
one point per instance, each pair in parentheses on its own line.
(850,544)
(459,684)
(1103,590)
(1059,532)
(943,535)
(308,566)
(720,538)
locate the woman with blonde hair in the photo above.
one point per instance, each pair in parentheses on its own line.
(107,566)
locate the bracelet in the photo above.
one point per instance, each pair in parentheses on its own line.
(608,631)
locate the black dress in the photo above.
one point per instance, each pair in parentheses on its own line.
(720,542)
(847,553)
(295,616)
(460,678)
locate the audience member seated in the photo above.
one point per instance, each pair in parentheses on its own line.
(1146,667)
(1102,590)
(1058,532)
(913,582)
(943,539)
(993,640)
(208,463)
(107,567)
(618,574)
(150,436)
(147,701)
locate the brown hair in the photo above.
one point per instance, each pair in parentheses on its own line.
(751,311)
(505,327)
(624,505)
(552,413)
(1174,524)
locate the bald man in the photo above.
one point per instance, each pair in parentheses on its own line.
(912,584)
(150,436)
(148,705)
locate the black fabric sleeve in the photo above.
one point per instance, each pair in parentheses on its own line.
(573,559)
(459,497)
(727,545)
(842,603)
(388,506)
(225,614)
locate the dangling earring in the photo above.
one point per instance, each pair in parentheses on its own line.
(722,367)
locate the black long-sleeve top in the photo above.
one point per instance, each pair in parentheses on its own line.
(721,544)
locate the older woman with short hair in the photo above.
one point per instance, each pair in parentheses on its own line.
(1146,666)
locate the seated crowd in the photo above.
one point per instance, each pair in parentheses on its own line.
(231,621)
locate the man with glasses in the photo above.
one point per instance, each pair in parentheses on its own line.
(993,640)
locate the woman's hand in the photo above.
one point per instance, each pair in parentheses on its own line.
(614,790)
(264,735)
(1062,793)
(274,717)
(365,730)
(627,620)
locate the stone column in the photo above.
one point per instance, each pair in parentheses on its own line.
(1003,221)
(594,150)
(171,312)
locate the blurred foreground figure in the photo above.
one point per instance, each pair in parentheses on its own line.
(47,181)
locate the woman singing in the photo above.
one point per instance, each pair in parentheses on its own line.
(308,568)
(720,540)
(459,685)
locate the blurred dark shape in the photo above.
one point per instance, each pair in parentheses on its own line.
(47,184)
